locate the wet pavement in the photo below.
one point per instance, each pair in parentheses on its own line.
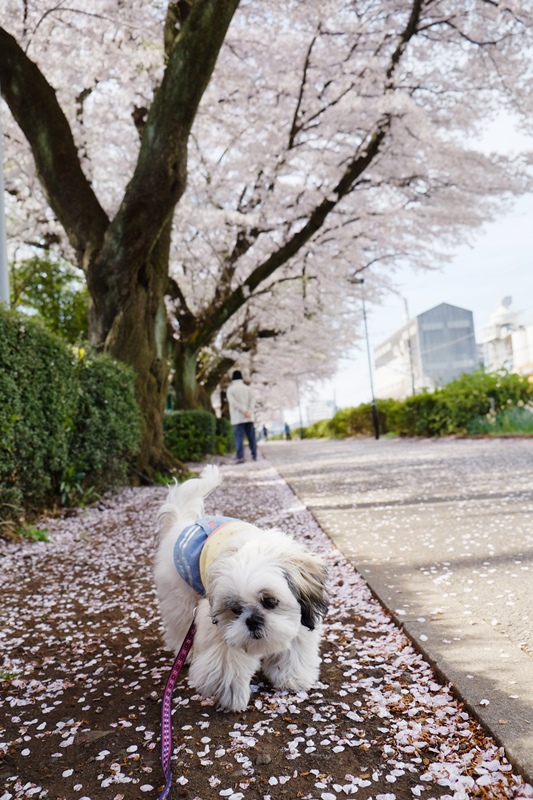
(442,531)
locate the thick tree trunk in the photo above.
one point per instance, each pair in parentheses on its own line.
(137,336)
(190,394)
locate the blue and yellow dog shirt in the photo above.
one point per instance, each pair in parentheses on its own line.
(198,545)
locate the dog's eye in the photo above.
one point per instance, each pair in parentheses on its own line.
(236,609)
(268,602)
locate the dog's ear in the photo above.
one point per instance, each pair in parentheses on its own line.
(306,577)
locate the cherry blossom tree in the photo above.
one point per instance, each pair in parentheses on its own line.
(291,331)
(334,137)
(349,145)
(105,97)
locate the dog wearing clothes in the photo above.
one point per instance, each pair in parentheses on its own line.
(258,594)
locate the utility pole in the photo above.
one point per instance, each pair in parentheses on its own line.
(4,269)
(375,419)
(299,407)
(409,348)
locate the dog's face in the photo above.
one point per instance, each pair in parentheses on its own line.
(260,597)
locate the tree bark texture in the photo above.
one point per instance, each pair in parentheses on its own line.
(189,392)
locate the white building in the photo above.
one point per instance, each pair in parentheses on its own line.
(507,341)
(428,351)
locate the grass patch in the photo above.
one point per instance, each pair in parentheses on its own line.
(8,676)
(517,420)
(34,533)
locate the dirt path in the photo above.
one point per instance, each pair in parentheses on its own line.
(83,673)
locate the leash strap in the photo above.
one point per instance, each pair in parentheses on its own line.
(166,711)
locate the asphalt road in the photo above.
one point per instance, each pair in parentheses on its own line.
(442,530)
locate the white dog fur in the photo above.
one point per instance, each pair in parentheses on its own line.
(263,607)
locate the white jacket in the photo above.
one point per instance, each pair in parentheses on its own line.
(240,399)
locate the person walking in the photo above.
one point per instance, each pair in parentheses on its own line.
(241,414)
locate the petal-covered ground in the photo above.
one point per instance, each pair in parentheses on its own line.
(83,671)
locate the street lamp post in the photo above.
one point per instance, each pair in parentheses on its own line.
(299,407)
(375,420)
(409,348)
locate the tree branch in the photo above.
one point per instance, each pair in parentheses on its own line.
(160,175)
(213,373)
(216,373)
(216,316)
(34,106)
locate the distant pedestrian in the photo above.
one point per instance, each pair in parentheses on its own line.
(241,412)
(265,432)
(287,432)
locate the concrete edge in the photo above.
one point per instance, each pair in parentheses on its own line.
(480,665)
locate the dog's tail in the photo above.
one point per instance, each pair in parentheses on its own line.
(186,500)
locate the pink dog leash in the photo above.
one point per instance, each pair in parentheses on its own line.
(166,710)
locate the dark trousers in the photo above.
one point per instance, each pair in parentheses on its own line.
(241,429)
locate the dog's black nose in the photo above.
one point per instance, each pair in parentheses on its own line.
(254,623)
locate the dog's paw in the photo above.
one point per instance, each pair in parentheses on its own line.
(294,683)
(285,674)
(235,697)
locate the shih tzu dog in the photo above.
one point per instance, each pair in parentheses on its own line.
(258,594)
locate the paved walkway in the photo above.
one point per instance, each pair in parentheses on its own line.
(442,531)
(82,669)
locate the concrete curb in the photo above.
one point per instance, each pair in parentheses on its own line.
(479,663)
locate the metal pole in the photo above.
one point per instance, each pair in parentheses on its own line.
(299,408)
(4,269)
(409,348)
(375,420)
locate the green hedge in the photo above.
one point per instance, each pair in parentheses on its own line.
(457,408)
(354,421)
(108,421)
(37,407)
(191,435)
(65,421)
(452,409)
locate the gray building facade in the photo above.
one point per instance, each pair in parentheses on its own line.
(429,351)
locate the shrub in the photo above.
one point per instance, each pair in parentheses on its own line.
(459,407)
(479,393)
(64,421)
(190,435)
(451,409)
(39,400)
(515,420)
(225,436)
(359,420)
(107,424)
(355,421)
(422,414)
(318,430)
